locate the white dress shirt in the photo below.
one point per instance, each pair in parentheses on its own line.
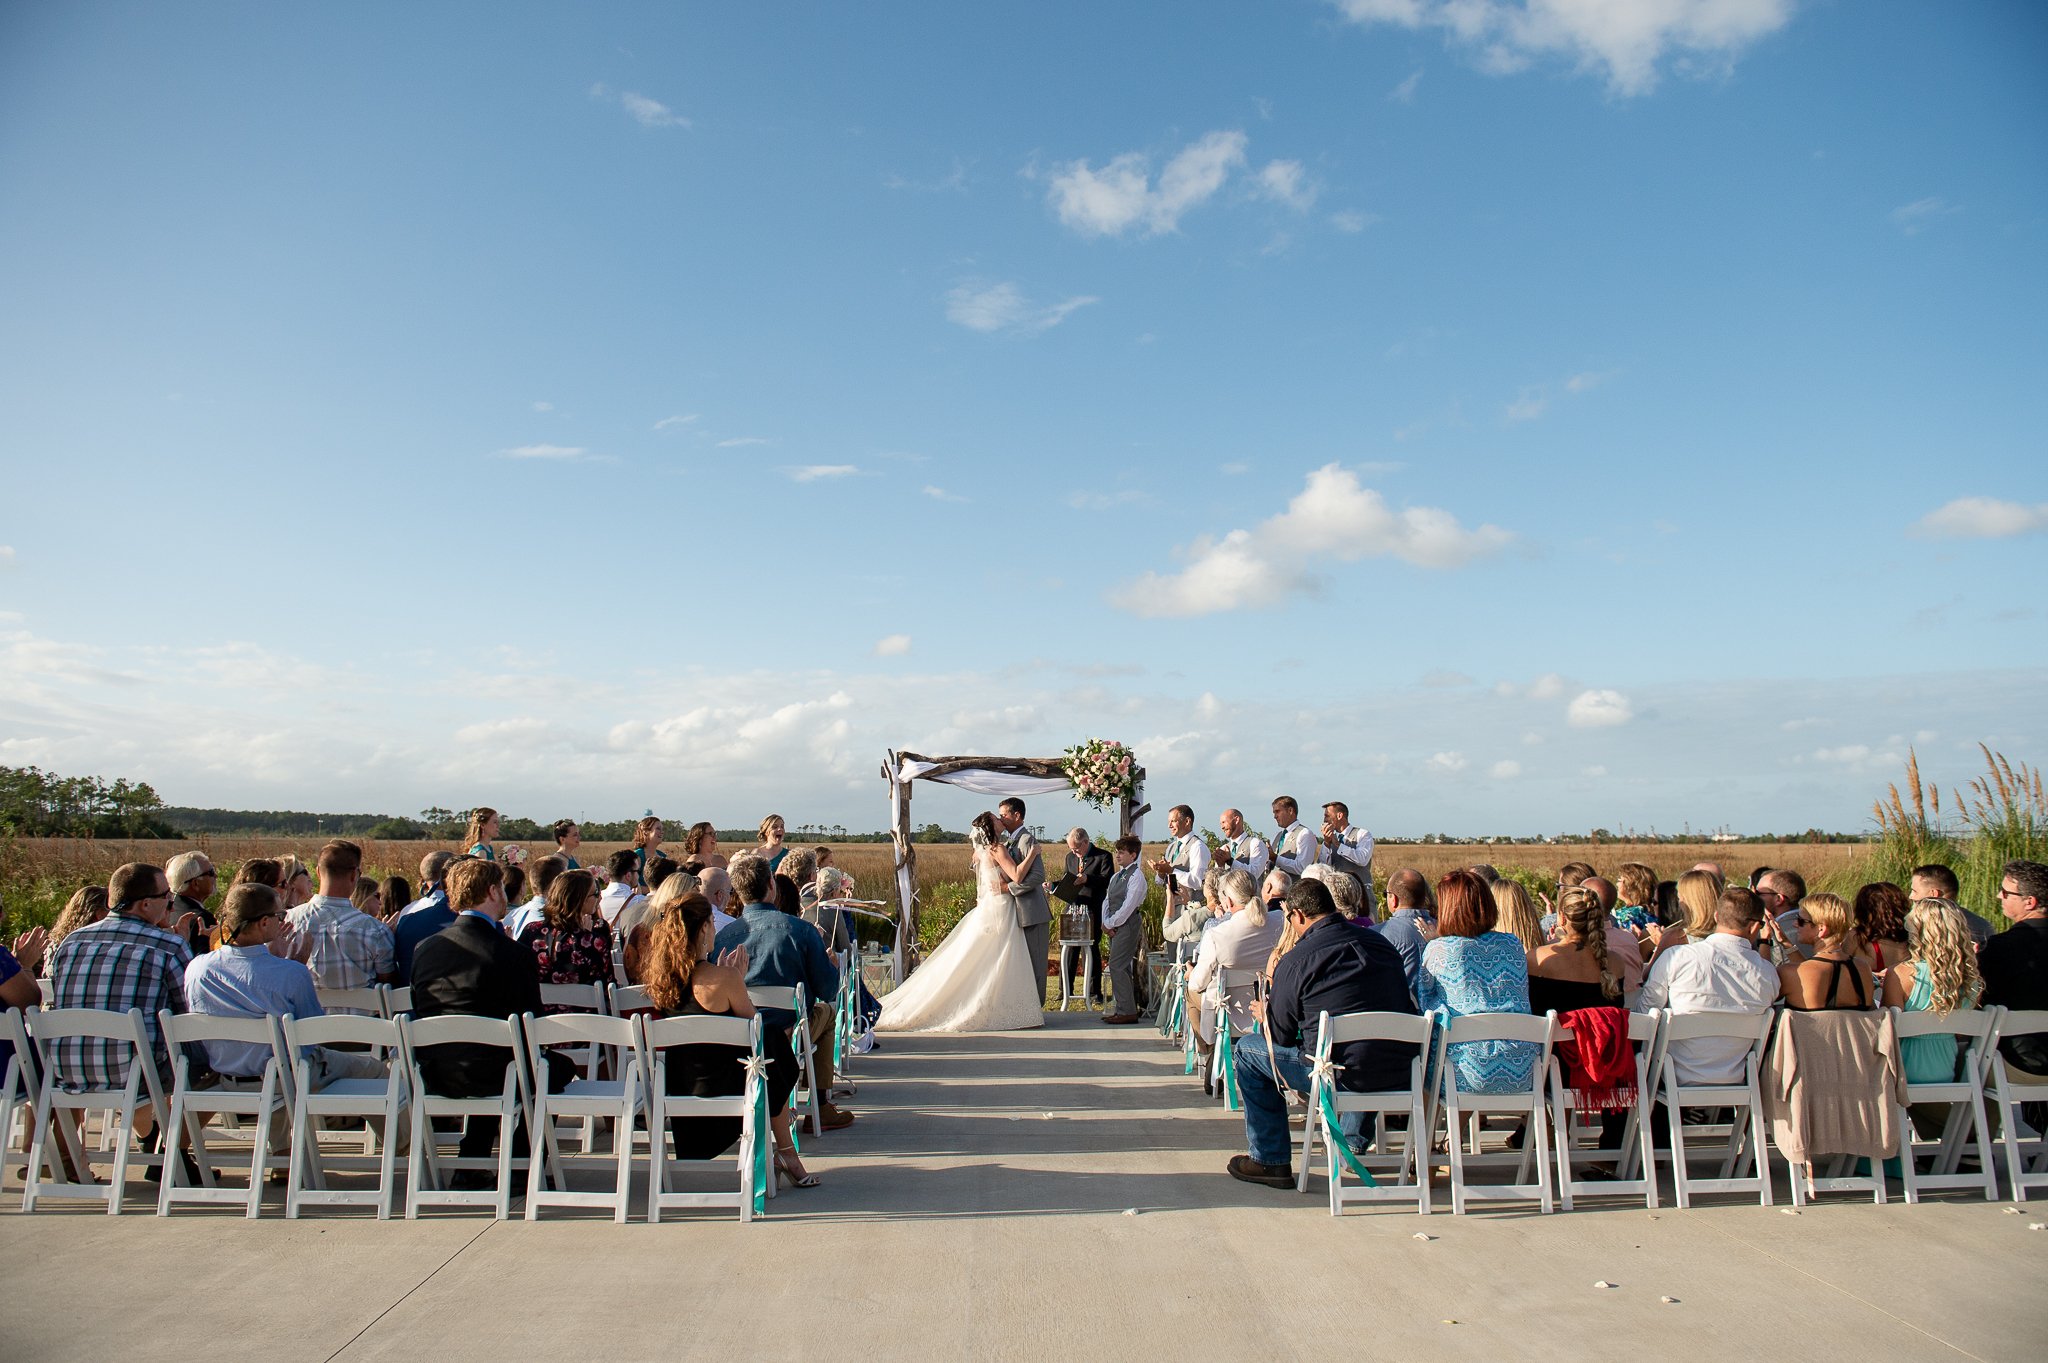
(1296,849)
(613,901)
(1189,856)
(1115,916)
(1232,944)
(1249,850)
(1720,973)
(525,916)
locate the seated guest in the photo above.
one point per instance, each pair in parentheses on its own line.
(1334,968)
(193,881)
(784,951)
(1468,969)
(1939,976)
(683,980)
(1411,919)
(545,872)
(570,944)
(1241,941)
(1936,881)
(624,869)
(1636,892)
(1569,876)
(426,915)
(515,885)
(132,958)
(252,975)
(1831,976)
(18,988)
(633,945)
(2014,964)
(784,894)
(397,894)
(88,904)
(1185,927)
(568,840)
(346,948)
(1721,973)
(473,968)
(1699,895)
(1574,972)
(261,871)
(1344,888)
(368,897)
(715,885)
(1782,893)
(295,880)
(1516,913)
(1879,912)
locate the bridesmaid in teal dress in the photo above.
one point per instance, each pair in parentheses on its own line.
(1469,968)
(483,827)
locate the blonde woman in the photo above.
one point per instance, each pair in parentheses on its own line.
(1242,941)
(87,905)
(1636,889)
(1698,892)
(297,882)
(646,837)
(483,827)
(1835,976)
(1940,976)
(1518,913)
(771,849)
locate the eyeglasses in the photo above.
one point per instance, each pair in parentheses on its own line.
(1769,894)
(2004,893)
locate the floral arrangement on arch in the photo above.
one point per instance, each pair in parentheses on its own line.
(1101,770)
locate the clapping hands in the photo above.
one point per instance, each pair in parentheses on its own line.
(29,949)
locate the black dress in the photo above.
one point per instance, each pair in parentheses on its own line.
(1564,996)
(705,1071)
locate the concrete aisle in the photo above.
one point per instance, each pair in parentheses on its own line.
(977,1210)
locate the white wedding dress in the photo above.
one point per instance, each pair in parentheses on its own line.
(979,979)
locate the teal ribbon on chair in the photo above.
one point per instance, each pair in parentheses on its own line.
(1326,1070)
(756,1067)
(1226,1059)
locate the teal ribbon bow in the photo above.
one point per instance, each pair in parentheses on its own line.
(756,1067)
(1326,1070)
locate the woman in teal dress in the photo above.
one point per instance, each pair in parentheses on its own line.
(1941,976)
(1469,968)
(483,827)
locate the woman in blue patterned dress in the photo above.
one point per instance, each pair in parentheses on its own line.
(1470,968)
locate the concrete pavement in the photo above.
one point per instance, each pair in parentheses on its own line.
(981,1209)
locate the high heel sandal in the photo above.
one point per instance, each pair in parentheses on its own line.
(785,1173)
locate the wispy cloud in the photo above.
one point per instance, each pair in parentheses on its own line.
(1333,519)
(647,112)
(1531,403)
(1448,762)
(1627,40)
(1003,307)
(1285,182)
(1917,216)
(1233,470)
(1404,93)
(1588,381)
(561,453)
(669,423)
(1534,400)
(6,556)
(953,182)
(742,441)
(1507,769)
(1599,710)
(892,646)
(1981,518)
(939,494)
(1121,195)
(1351,220)
(543,406)
(811,473)
(1106,501)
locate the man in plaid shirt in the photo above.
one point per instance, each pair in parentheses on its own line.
(132,958)
(347,949)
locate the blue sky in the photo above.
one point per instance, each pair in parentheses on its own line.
(1507,417)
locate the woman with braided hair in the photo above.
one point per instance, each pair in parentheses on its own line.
(1577,970)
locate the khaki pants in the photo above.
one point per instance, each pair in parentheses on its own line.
(824,1017)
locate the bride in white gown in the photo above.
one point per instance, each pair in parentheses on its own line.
(980,978)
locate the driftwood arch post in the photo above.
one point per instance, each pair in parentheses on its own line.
(1022,777)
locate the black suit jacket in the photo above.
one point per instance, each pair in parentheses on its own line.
(2014,965)
(1093,877)
(471,967)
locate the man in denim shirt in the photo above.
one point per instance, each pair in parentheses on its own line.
(784,951)
(1409,925)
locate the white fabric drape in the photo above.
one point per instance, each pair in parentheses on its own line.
(983,782)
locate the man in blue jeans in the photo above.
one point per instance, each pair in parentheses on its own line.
(1334,968)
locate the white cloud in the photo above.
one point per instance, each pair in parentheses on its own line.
(1598,710)
(564,453)
(742,441)
(6,556)
(892,646)
(680,419)
(1105,501)
(1333,517)
(1404,93)
(1351,220)
(1549,686)
(1209,707)
(811,473)
(1287,183)
(1917,216)
(1120,196)
(1596,771)
(1233,470)
(1588,381)
(1627,40)
(1507,769)
(650,113)
(1003,307)
(543,406)
(939,494)
(1529,405)
(1848,752)
(1447,762)
(1981,518)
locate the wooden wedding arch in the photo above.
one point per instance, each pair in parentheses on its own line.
(1022,777)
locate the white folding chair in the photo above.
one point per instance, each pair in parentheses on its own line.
(378,1103)
(806,1098)
(366,1002)
(1172,1007)
(256,1101)
(141,1094)
(581,998)
(1410,1166)
(1530,1104)
(622,1098)
(630,998)
(1635,1161)
(1805,1181)
(2026,1150)
(657,1036)
(397,1000)
(1744,1151)
(19,1084)
(1976,1034)
(426,1186)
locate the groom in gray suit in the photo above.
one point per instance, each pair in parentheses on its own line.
(1034,912)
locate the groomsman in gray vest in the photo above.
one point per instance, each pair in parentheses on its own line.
(1348,849)
(1125,925)
(1034,911)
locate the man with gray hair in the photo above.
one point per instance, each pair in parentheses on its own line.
(1089,869)
(193,882)
(715,885)
(1343,887)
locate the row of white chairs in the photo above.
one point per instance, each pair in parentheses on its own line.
(622,1062)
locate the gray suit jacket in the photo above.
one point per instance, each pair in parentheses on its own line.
(1028,894)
